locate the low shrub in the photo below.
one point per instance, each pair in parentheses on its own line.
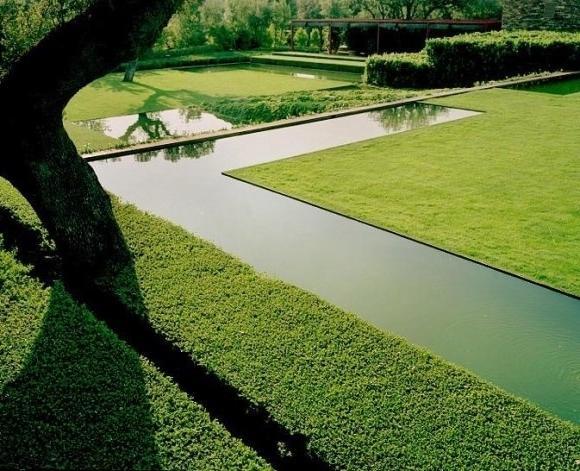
(74,396)
(411,70)
(469,58)
(466,59)
(365,399)
(311,63)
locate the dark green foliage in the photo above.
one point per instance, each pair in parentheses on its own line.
(400,70)
(466,59)
(314,63)
(262,109)
(184,58)
(365,398)
(72,396)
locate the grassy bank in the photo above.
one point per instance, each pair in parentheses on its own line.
(73,396)
(240,95)
(157,90)
(365,399)
(501,187)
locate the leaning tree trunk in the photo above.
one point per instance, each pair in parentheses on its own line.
(68,199)
(130,70)
(38,157)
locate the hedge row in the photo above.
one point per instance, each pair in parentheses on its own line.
(466,59)
(402,70)
(73,396)
(312,63)
(366,399)
(189,60)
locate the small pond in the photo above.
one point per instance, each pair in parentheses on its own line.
(518,335)
(299,72)
(143,127)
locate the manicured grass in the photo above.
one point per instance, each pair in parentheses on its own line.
(183,59)
(252,110)
(73,396)
(320,55)
(157,90)
(502,187)
(88,140)
(366,399)
(312,62)
(561,87)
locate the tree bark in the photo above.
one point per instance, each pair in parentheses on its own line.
(67,197)
(38,157)
(130,70)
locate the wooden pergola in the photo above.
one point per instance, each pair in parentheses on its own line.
(394,24)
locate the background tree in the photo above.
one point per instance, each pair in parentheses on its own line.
(40,160)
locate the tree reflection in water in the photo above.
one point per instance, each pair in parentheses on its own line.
(410,116)
(174,154)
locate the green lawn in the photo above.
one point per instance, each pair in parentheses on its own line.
(155,90)
(502,187)
(242,94)
(364,398)
(73,396)
(317,62)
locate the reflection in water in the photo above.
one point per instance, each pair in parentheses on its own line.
(174,154)
(520,336)
(143,127)
(411,116)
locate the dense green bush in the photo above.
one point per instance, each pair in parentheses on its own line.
(400,70)
(364,398)
(261,109)
(74,396)
(470,58)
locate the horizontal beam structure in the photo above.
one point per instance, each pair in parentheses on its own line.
(463,25)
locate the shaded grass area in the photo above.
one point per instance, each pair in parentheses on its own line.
(185,58)
(316,62)
(365,398)
(241,95)
(157,90)
(561,87)
(73,396)
(501,187)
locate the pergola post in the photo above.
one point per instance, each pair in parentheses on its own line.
(329,39)
(378,38)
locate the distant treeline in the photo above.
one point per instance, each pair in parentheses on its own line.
(250,24)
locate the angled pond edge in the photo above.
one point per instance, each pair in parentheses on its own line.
(180,141)
(405,236)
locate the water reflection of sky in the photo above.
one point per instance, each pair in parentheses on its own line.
(143,127)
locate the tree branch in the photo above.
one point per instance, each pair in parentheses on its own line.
(92,44)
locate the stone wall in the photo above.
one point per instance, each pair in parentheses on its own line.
(542,14)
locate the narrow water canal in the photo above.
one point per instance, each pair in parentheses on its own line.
(520,336)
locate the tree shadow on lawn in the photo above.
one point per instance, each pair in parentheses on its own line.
(81,396)
(80,399)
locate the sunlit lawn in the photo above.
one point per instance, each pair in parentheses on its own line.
(163,89)
(502,187)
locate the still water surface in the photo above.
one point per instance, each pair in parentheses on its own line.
(520,336)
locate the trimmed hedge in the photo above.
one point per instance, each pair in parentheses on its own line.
(466,59)
(365,398)
(469,58)
(73,396)
(189,60)
(312,63)
(400,70)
